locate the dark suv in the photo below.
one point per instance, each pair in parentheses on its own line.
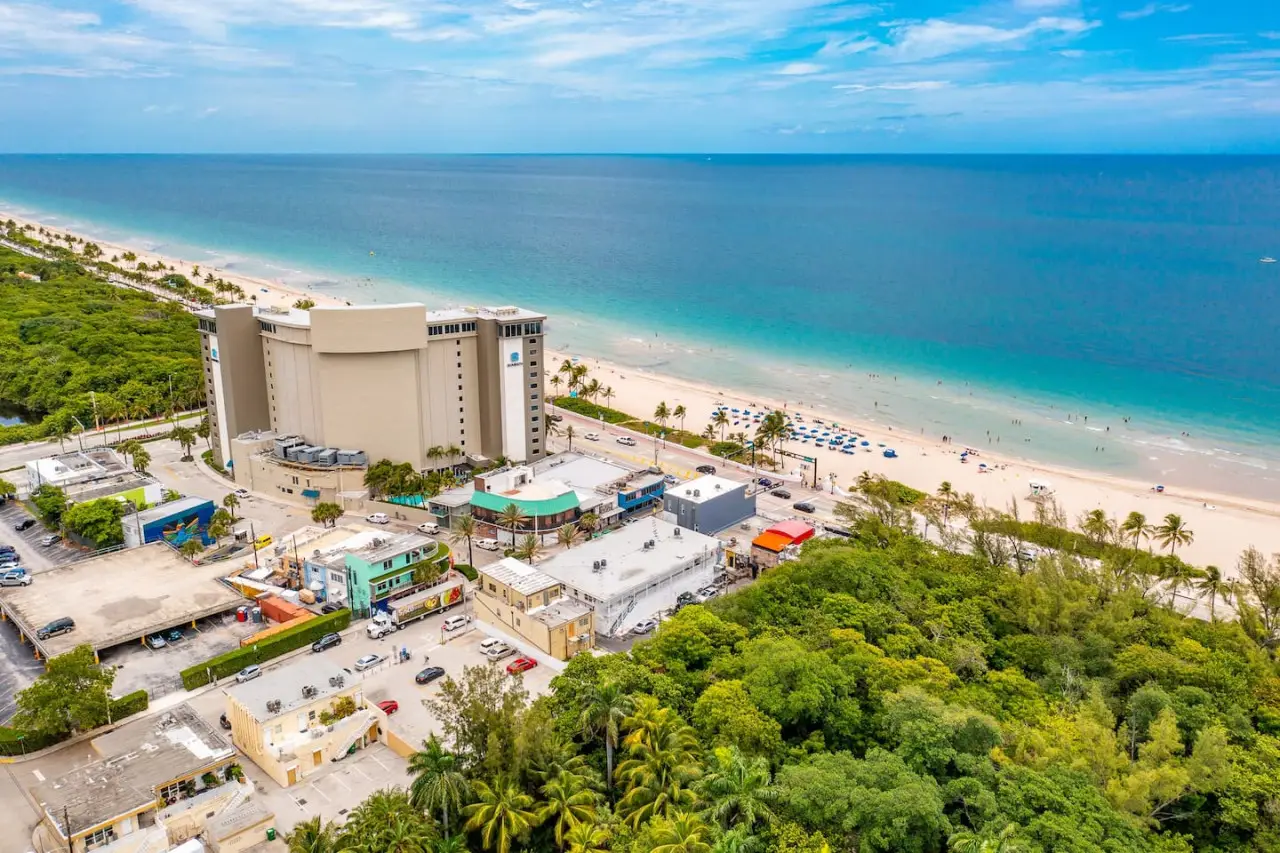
(326,642)
(706,469)
(25,524)
(56,627)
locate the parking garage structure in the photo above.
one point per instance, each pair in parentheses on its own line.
(117,598)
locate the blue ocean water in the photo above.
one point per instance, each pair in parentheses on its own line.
(978,290)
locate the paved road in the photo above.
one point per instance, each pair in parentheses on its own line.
(17,455)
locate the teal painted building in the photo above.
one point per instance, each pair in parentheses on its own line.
(388,568)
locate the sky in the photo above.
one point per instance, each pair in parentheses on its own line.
(639,76)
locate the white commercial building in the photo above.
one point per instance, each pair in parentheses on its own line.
(636,571)
(69,469)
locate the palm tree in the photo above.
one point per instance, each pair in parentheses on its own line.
(604,709)
(529,549)
(450,844)
(1211,584)
(721,420)
(184,436)
(1178,575)
(588,838)
(1096,526)
(607,393)
(231,502)
(1174,532)
(570,434)
(464,528)
(592,389)
(501,815)
(662,767)
(512,517)
(434,454)
(556,382)
(709,433)
(737,790)
(141,459)
(966,841)
(589,523)
(1135,526)
(679,412)
(311,836)
(570,802)
(683,832)
(568,535)
(437,782)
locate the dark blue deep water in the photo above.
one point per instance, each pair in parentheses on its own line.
(1114,285)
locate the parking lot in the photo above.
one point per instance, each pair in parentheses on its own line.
(34,557)
(140,667)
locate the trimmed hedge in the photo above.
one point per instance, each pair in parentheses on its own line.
(592,410)
(129,704)
(272,647)
(14,742)
(468,572)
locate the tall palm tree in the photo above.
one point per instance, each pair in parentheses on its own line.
(570,434)
(683,832)
(568,535)
(1178,575)
(311,836)
(462,529)
(570,801)
(604,709)
(1174,532)
(737,790)
(529,549)
(680,412)
(709,433)
(141,459)
(437,782)
(232,502)
(721,420)
(588,838)
(502,814)
(556,381)
(1135,527)
(434,454)
(608,394)
(1213,585)
(1096,526)
(512,518)
(966,841)
(589,523)
(662,765)
(946,497)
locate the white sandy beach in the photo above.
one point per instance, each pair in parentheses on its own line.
(1223,524)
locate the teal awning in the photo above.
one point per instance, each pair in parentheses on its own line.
(311,493)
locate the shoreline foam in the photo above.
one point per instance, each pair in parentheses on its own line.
(1224,523)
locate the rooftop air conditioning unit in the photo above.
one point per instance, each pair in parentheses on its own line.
(697,493)
(677,533)
(595,565)
(718,487)
(273,706)
(604,564)
(308,691)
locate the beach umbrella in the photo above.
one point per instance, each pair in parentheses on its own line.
(866,443)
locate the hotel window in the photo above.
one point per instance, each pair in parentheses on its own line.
(535,441)
(533,385)
(171,792)
(533,408)
(535,418)
(533,396)
(535,429)
(459,399)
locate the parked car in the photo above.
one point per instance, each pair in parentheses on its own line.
(330,607)
(25,524)
(591,436)
(489,642)
(429,675)
(684,599)
(555,419)
(378,518)
(706,594)
(9,564)
(781,493)
(369,662)
(7,549)
(389,706)
(453,623)
(626,441)
(50,539)
(175,635)
(248,673)
(644,626)
(765,483)
(224,722)
(15,577)
(670,479)
(155,641)
(429,527)
(498,652)
(328,641)
(241,493)
(56,627)
(488,544)
(521,665)
(705,469)
(804,506)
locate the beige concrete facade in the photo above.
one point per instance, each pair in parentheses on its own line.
(391,380)
(259,470)
(521,600)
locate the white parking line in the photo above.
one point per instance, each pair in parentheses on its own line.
(338,778)
(316,789)
(375,760)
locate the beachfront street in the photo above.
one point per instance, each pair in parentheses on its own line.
(16,455)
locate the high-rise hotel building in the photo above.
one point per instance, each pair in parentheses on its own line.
(391,380)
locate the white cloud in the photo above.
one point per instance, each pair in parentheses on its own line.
(859,43)
(1042,5)
(1151,9)
(798,69)
(909,86)
(1199,37)
(1273,35)
(939,37)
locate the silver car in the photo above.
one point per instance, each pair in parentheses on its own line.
(369,662)
(248,673)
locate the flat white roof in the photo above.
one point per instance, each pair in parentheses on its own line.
(628,564)
(285,684)
(521,577)
(579,471)
(501,313)
(705,488)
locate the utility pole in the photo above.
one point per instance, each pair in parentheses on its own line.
(66,823)
(253,543)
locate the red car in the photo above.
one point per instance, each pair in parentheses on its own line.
(389,706)
(521,665)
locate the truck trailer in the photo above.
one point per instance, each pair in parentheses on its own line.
(434,599)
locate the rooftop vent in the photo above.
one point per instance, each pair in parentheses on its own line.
(308,691)
(677,533)
(273,706)
(697,493)
(336,680)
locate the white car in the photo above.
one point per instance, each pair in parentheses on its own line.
(592,436)
(706,594)
(498,652)
(626,441)
(377,518)
(429,527)
(488,544)
(489,643)
(453,623)
(241,493)
(645,627)
(369,662)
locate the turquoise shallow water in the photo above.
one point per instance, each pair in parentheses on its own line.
(1030,288)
